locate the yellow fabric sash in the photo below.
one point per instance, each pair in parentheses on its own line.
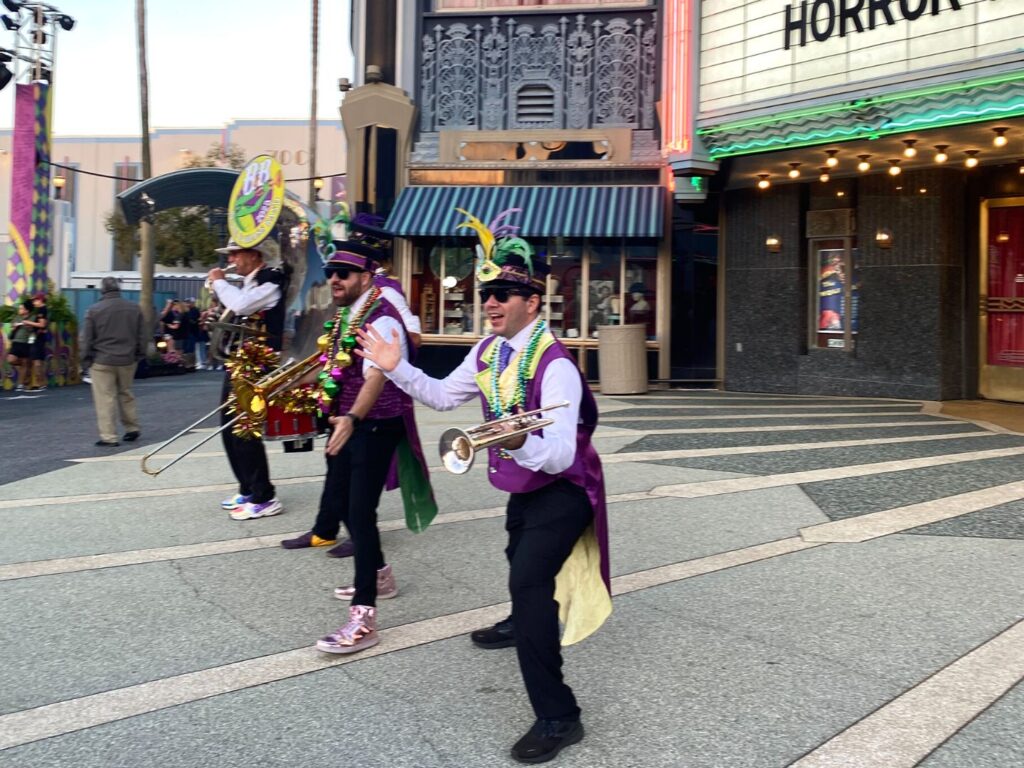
(583,600)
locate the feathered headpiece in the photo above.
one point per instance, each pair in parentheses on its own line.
(365,243)
(501,254)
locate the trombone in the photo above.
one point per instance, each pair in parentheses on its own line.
(458,447)
(252,399)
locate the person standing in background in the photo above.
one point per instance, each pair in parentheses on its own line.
(114,340)
(40,324)
(20,349)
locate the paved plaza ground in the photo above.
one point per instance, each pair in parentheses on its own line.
(799,581)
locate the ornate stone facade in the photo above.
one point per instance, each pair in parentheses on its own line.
(588,71)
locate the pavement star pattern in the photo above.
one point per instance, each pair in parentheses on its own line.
(798,581)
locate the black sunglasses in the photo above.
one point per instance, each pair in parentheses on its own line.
(341,272)
(503,294)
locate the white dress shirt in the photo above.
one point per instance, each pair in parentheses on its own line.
(412,323)
(553,452)
(250,298)
(383,325)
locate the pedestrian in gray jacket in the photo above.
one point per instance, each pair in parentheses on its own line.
(113,341)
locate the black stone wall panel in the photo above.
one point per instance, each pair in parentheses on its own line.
(911,301)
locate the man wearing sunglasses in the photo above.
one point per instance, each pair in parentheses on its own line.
(260,301)
(556,517)
(372,443)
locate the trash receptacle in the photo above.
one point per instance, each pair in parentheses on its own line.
(622,359)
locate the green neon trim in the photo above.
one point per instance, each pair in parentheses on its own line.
(932,120)
(870,101)
(813,137)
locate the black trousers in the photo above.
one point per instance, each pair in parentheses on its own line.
(248,458)
(543,526)
(355,480)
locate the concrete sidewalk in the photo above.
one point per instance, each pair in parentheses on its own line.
(799,581)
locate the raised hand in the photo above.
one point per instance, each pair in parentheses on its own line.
(374,347)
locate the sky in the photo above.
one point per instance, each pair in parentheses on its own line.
(210,62)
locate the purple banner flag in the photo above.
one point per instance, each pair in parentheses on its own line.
(29,249)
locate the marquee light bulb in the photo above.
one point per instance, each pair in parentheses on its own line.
(940,153)
(831,161)
(863,165)
(972,160)
(910,150)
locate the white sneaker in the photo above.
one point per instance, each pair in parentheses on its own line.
(250,511)
(233,502)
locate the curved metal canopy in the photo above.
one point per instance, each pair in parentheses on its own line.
(189,186)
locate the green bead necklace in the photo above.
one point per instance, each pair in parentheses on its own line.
(336,347)
(499,409)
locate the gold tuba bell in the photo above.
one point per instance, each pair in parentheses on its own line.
(458,447)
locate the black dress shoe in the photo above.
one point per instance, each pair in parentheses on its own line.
(107,443)
(546,739)
(130,437)
(501,635)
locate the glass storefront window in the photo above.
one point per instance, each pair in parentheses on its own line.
(605,285)
(451,276)
(836,264)
(641,286)
(564,299)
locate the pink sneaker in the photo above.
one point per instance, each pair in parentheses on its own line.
(386,587)
(360,632)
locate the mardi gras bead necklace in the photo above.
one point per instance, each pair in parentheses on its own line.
(336,347)
(499,409)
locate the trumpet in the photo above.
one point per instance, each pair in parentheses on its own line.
(458,447)
(251,398)
(229,268)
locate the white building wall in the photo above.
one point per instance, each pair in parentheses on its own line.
(744,58)
(288,140)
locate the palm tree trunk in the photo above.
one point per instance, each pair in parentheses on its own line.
(312,102)
(146,235)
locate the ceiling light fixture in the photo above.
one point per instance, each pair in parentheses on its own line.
(910,150)
(763,182)
(972,160)
(1000,140)
(940,153)
(894,168)
(863,165)
(824,174)
(831,161)
(794,170)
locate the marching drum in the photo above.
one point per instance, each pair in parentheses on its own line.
(289,426)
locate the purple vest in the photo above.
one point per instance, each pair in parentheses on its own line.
(585,470)
(392,401)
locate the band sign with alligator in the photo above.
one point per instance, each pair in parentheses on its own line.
(256,201)
(818,20)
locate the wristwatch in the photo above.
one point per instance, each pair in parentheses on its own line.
(356,421)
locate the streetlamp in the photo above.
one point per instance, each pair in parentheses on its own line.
(58,187)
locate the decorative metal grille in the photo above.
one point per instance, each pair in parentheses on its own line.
(592,70)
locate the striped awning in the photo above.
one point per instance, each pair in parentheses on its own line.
(546,211)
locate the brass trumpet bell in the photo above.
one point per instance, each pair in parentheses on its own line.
(459,447)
